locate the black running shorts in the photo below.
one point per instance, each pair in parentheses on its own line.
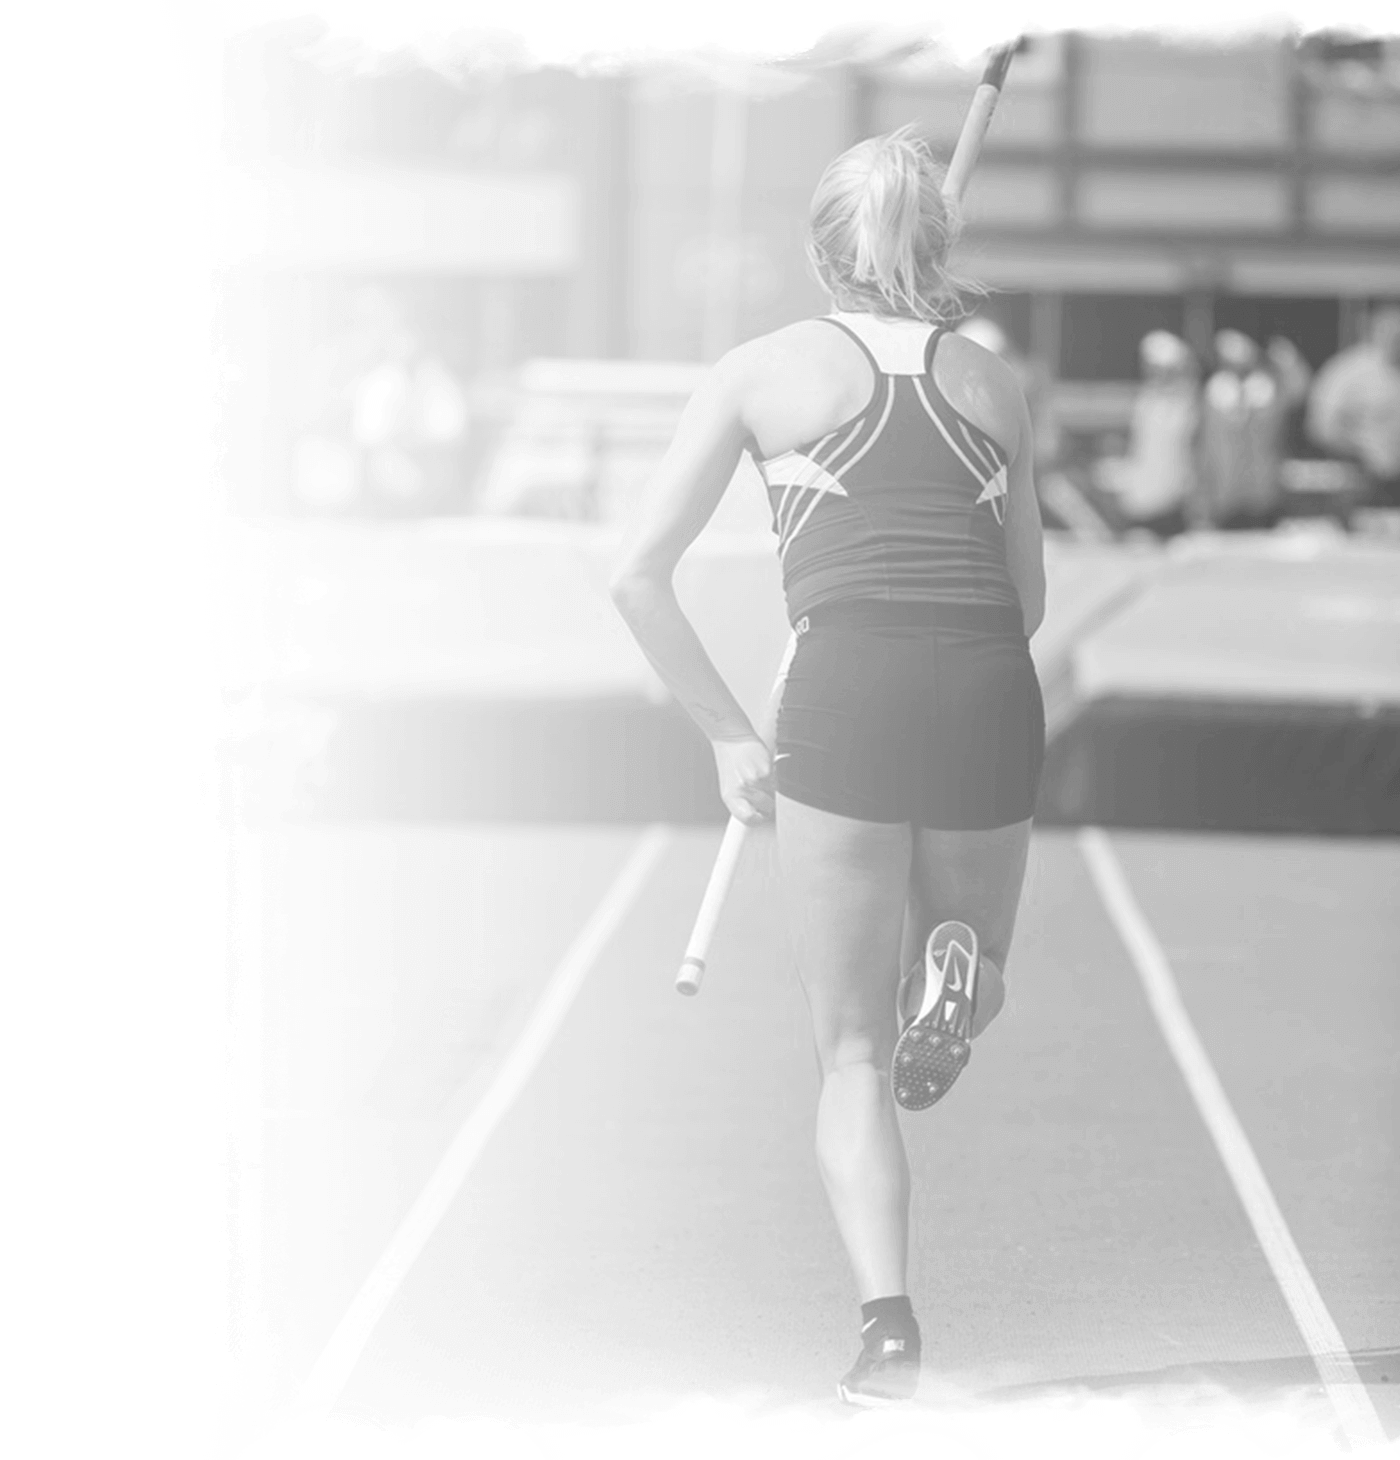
(903,713)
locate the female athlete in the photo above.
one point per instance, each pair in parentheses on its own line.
(897,457)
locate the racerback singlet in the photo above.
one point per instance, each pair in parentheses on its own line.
(904,502)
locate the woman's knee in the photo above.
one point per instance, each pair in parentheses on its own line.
(848,1049)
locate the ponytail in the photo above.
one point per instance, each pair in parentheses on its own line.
(881,230)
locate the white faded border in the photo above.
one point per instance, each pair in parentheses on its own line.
(113,938)
(611,31)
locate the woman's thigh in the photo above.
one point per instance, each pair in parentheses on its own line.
(845,884)
(973,876)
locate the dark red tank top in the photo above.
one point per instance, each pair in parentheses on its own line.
(905,502)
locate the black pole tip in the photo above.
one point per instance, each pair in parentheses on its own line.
(1000,62)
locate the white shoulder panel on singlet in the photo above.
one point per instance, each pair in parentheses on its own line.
(897,344)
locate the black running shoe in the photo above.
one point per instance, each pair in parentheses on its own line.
(887,1370)
(935,1041)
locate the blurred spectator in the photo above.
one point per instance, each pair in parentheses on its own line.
(383,419)
(1152,483)
(1354,409)
(1243,422)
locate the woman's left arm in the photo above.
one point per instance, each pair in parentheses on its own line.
(680,499)
(1025,539)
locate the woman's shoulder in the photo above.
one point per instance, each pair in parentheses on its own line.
(980,385)
(759,362)
(790,344)
(795,383)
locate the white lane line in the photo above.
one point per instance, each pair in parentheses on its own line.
(337,1361)
(1347,1393)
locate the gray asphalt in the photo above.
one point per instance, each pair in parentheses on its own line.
(647,1221)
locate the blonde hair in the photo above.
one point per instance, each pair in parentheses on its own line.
(880,230)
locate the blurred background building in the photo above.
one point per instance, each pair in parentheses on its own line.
(469,298)
(411,238)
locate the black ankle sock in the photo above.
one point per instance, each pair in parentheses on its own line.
(896,1311)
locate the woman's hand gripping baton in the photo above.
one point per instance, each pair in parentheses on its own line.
(727,861)
(964,159)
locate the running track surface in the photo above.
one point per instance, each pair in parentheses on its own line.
(647,1219)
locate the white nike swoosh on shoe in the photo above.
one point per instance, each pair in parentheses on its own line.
(955,983)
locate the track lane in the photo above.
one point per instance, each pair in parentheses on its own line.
(649,1219)
(602,1246)
(398,963)
(1285,950)
(1089,1230)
